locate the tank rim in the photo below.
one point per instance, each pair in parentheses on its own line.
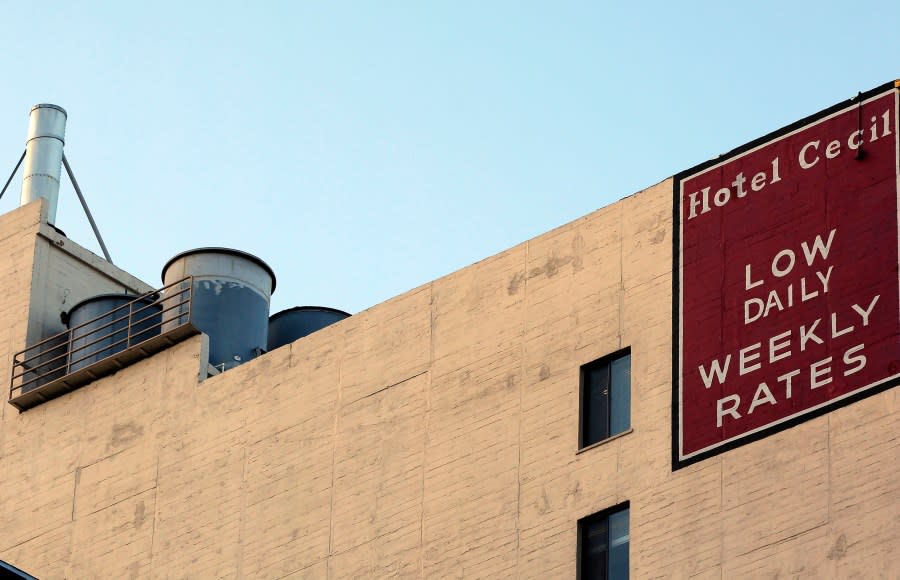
(149,299)
(218,250)
(48,106)
(308,308)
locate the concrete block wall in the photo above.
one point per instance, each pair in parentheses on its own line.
(435,435)
(63,274)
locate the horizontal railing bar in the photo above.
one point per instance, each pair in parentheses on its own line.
(132,330)
(113,333)
(40,354)
(84,358)
(137,298)
(45,363)
(128,336)
(109,335)
(71,363)
(71,331)
(122,307)
(110,323)
(40,376)
(76,361)
(178,305)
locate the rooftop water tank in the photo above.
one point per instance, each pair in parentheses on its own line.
(46,362)
(294,323)
(230,301)
(103,325)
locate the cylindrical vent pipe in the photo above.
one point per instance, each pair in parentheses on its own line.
(230,301)
(43,156)
(294,323)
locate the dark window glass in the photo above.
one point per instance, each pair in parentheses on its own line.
(11,572)
(603,539)
(605,397)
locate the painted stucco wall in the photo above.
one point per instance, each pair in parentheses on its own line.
(434,435)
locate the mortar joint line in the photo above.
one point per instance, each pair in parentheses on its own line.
(521,399)
(334,435)
(426,425)
(243,513)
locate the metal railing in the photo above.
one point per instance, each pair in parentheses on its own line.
(104,343)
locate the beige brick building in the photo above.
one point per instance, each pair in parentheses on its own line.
(434,435)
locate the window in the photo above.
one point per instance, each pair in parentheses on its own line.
(603,545)
(605,397)
(11,572)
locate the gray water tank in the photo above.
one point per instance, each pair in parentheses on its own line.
(105,329)
(47,366)
(230,303)
(294,323)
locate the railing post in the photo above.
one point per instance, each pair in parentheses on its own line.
(128,326)
(68,350)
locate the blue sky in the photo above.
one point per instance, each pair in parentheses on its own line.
(365,148)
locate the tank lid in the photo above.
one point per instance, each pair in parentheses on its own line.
(118,296)
(214,250)
(127,297)
(309,309)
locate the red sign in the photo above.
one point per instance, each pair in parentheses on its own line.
(787,299)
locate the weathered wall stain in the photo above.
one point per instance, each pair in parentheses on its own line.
(839,550)
(124,433)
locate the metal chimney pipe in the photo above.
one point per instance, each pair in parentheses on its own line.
(43,156)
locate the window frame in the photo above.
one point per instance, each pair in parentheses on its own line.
(604,361)
(7,570)
(602,515)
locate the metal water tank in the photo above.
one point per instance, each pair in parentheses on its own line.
(103,325)
(230,301)
(47,361)
(294,323)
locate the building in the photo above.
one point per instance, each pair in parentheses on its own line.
(564,406)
